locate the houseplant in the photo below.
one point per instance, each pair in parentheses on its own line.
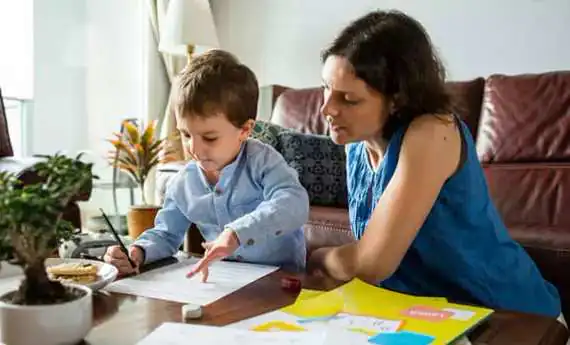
(137,151)
(31,228)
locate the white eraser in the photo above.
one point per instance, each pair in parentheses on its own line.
(191,311)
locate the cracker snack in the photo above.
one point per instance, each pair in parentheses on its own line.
(73,272)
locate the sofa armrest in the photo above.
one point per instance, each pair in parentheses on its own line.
(327,227)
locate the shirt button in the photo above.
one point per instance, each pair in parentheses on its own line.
(278,232)
(250,242)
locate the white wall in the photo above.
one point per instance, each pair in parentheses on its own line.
(281,40)
(114,84)
(114,79)
(59,78)
(88,76)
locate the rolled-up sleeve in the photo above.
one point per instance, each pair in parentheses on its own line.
(164,239)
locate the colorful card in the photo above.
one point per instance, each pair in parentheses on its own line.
(401,338)
(427,313)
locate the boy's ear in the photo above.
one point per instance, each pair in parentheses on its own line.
(247,128)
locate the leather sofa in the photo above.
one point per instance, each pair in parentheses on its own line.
(521,124)
(21,166)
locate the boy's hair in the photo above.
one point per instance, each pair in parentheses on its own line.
(216,82)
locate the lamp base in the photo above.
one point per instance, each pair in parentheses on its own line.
(189,52)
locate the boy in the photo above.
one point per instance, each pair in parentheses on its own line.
(246,201)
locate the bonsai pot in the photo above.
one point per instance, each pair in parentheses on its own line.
(50,324)
(141,218)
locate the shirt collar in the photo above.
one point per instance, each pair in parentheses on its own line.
(226,173)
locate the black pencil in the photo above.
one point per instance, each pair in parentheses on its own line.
(121,244)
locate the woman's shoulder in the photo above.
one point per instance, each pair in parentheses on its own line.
(433,125)
(433,140)
(433,132)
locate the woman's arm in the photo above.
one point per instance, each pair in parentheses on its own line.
(428,157)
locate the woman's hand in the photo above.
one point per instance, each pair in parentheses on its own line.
(226,243)
(316,261)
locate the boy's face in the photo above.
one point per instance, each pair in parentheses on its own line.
(213,141)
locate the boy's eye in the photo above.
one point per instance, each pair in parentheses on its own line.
(210,139)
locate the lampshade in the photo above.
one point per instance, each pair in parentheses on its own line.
(188,22)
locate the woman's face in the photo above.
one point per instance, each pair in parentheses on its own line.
(354,110)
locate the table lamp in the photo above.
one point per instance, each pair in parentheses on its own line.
(188,23)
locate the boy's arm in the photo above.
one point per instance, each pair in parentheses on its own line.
(164,239)
(285,206)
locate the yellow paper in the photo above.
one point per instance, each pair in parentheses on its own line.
(278,326)
(307,294)
(326,304)
(359,298)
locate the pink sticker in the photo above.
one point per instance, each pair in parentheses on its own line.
(427,313)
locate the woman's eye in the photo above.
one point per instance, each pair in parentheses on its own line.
(350,101)
(210,139)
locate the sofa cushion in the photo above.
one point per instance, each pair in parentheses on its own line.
(300,109)
(531,194)
(267,132)
(466,97)
(525,118)
(320,164)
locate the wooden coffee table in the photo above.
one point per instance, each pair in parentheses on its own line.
(122,319)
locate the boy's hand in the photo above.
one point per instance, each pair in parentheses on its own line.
(222,247)
(115,256)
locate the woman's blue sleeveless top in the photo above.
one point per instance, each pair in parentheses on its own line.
(463,250)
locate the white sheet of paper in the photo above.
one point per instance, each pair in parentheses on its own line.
(333,335)
(348,321)
(170,282)
(171,333)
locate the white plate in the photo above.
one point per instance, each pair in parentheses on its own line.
(107,273)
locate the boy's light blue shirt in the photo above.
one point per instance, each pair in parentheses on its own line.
(259,196)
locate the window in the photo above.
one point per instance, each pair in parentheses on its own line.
(17,46)
(17,67)
(16,115)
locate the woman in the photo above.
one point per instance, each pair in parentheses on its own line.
(418,201)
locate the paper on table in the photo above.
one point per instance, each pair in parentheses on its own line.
(365,323)
(170,333)
(333,335)
(346,322)
(170,282)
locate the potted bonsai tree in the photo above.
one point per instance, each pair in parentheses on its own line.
(31,228)
(136,151)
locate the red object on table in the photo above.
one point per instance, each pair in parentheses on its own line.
(291,284)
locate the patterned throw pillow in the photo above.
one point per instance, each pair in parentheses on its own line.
(267,132)
(320,164)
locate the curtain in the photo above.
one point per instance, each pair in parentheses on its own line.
(160,72)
